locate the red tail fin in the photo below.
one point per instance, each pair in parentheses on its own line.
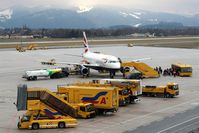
(85,41)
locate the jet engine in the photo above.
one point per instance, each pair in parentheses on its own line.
(84,71)
(126,69)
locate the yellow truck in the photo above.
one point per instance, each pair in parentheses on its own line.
(21,48)
(40,115)
(123,92)
(105,99)
(128,89)
(183,70)
(133,87)
(168,91)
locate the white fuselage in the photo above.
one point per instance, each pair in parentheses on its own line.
(103,61)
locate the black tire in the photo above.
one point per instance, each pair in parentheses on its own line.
(35,126)
(171,96)
(18,125)
(61,125)
(57,75)
(66,74)
(88,116)
(34,78)
(167,95)
(155,95)
(52,76)
(31,78)
(93,115)
(111,75)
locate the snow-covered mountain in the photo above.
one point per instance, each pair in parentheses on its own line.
(87,17)
(5,15)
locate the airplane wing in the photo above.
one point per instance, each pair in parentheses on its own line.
(78,64)
(138,60)
(73,55)
(135,60)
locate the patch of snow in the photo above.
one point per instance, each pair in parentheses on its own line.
(5,15)
(124,14)
(138,13)
(83,9)
(135,16)
(137,25)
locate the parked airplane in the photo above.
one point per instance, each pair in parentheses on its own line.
(97,61)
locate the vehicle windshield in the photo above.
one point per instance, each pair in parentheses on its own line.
(25,118)
(90,108)
(173,87)
(124,92)
(186,69)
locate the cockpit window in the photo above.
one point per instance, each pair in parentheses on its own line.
(111,61)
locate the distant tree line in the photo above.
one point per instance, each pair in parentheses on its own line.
(106,32)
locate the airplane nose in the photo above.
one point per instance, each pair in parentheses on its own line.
(116,66)
(119,65)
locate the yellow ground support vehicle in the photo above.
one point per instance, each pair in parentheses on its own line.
(170,90)
(182,69)
(85,110)
(50,107)
(123,97)
(44,117)
(57,102)
(29,47)
(105,99)
(128,89)
(123,92)
(20,48)
(146,70)
(134,87)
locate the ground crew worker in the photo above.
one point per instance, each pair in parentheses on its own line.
(174,73)
(160,70)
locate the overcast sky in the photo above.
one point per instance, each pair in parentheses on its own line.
(172,6)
